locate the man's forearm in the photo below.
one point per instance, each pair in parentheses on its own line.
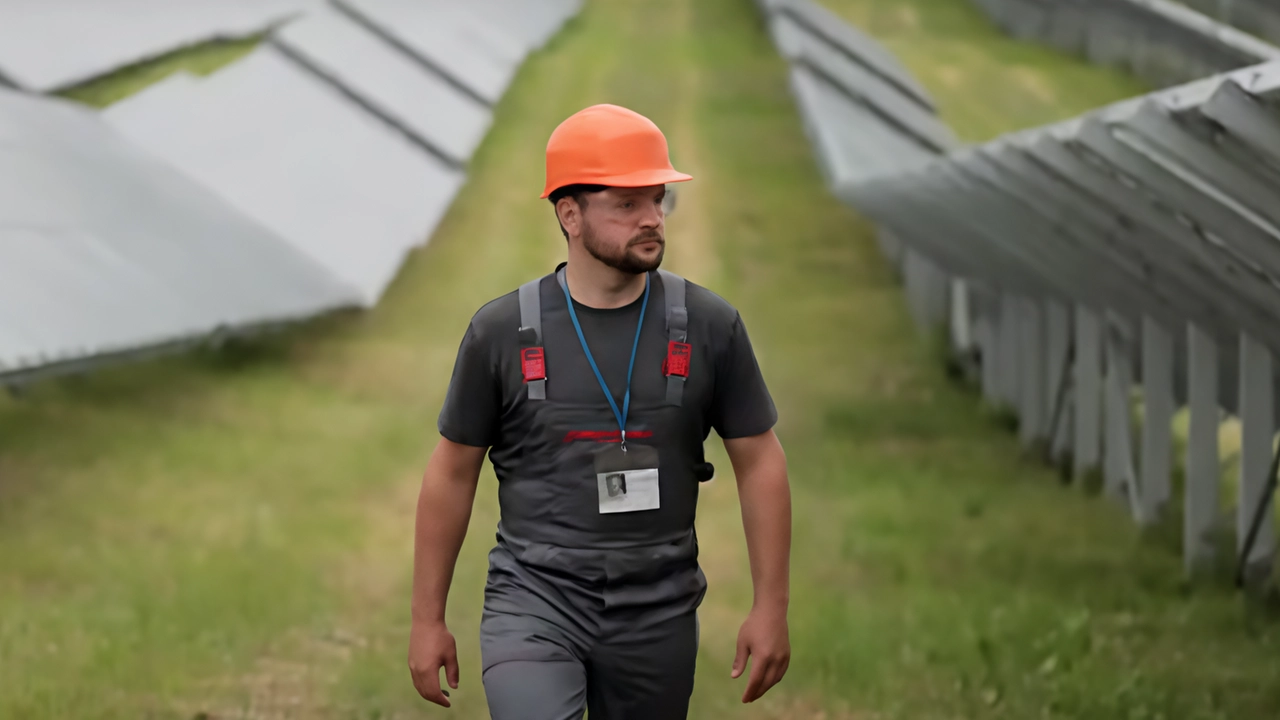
(444,510)
(765,497)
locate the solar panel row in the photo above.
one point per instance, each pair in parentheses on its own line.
(1161,41)
(286,185)
(867,118)
(1140,241)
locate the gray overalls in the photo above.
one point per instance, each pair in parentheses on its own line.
(585,609)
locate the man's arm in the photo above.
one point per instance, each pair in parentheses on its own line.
(444,510)
(761,469)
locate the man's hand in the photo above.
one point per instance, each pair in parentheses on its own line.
(761,470)
(763,638)
(431,647)
(444,507)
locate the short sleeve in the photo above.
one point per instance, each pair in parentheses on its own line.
(741,404)
(472,406)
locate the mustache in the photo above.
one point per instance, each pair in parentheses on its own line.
(651,236)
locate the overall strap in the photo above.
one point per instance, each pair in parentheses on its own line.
(678,350)
(533,363)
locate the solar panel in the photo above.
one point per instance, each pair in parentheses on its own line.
(439,38)
(854,144)
(46,45)
(854,44)
(388,82)
(496,27)
(298,156)
(106,250)
(885,99)
(534,21)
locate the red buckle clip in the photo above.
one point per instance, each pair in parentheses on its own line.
(677,362)
(533,364)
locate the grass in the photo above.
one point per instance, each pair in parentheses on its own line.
(227,534)
(200,60)
(985,82)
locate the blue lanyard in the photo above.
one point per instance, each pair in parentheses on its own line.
(626,399)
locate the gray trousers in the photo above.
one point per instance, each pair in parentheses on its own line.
(552,648)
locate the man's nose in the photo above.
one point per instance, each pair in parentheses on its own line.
(653,218)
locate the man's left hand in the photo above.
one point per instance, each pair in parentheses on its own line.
(764,639)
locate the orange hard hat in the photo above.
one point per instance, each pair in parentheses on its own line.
(608,145)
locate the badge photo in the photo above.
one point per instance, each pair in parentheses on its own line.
(616,483)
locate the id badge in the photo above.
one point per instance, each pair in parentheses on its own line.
(627,482)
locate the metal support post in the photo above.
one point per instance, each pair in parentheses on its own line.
(915,283)
(1255,526)
(1058,327)
(1031,373)
(961,319)
(1201,506)
(1008,351)
(1157,424)
(1118,446)
(1087,406)
(938,298)
(986,333)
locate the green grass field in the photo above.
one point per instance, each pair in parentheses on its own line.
(227,534)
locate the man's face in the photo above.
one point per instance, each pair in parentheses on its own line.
(624,228)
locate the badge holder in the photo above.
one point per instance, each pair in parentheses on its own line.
(627,478)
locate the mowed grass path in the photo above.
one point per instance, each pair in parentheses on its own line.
(229,533)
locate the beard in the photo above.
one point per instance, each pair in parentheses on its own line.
(626,260)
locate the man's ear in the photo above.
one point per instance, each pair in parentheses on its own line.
(570,215)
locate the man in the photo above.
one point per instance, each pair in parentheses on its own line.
(593,389)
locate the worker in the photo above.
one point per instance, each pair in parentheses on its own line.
(592,390)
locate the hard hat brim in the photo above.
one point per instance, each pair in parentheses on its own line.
(642,178)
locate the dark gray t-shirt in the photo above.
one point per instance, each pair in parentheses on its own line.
(725,390)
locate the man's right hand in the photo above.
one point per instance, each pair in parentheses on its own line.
(431,647)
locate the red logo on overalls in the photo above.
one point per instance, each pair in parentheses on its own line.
(605,436)
(533,364)
(677,362)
